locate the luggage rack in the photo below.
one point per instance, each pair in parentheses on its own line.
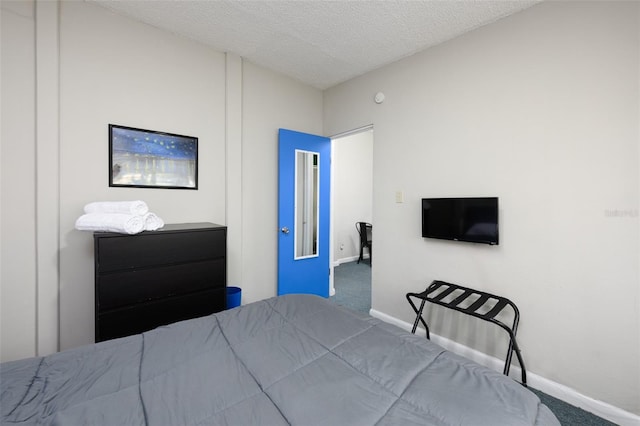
(486,307)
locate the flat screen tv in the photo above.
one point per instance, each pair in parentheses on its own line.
(461,219)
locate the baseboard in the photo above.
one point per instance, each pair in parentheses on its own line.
(338,262)
(564,393)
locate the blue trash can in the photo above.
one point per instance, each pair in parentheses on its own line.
(234,297)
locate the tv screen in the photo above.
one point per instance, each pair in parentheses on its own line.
(461,219)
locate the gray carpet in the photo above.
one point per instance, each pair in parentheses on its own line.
(352,282)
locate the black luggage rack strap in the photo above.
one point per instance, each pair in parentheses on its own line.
(486,307)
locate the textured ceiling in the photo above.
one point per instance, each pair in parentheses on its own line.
(319,42)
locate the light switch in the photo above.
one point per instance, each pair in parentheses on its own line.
(399,197)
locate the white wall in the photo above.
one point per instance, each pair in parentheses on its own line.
(116,70)
(17,182)
(270,101)
(352,163)
(540,109)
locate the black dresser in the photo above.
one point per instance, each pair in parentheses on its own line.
(158,277)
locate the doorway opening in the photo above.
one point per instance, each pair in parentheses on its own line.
(351,202)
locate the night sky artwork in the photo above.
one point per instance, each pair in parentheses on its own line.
(145,158)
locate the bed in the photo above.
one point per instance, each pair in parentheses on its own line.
(288,360)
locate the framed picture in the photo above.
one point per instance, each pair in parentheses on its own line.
(141,158)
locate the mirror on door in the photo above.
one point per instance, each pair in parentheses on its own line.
(306,204)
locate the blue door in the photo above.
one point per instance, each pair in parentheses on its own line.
(303,213)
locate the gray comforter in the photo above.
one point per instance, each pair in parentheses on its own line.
(287,360)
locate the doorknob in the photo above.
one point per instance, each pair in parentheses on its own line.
(285,230)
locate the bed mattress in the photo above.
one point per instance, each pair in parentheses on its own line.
(288,360)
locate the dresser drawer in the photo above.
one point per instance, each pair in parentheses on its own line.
(160,248)
(124,288)
(147,316)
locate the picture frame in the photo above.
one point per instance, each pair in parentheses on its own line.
(140,158)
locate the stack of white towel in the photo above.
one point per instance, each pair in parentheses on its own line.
(127,217)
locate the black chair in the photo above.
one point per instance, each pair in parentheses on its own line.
(365,230)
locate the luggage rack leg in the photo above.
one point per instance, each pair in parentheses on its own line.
(501,302)
(418,316)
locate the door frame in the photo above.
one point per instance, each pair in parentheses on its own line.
(334,140)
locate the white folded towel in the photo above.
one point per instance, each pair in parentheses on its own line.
(137,207)
(152,222)
(112,222)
